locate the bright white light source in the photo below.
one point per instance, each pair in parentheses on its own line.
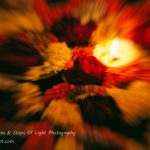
(114,48)
(117,52)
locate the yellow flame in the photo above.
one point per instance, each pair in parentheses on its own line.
(114,48)
(117,52)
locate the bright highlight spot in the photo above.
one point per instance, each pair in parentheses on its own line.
(114,48)
(117,52)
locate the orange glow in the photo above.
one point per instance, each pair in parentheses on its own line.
(117,52)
